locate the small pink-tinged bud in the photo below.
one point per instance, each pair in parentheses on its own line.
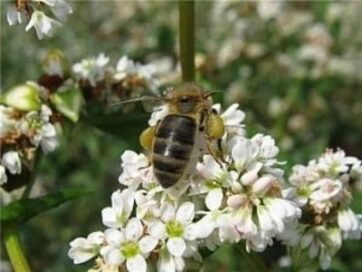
(251,176)
(262,185)
(236,201)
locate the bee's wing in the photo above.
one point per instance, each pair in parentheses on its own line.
(149,102)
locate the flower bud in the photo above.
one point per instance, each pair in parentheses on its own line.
(23,97)
(55,63)
(236,201)
(262,185)
(236,187)
(251,176)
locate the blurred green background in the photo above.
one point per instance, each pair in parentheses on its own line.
(294,67)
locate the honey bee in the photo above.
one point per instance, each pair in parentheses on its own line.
(173,140)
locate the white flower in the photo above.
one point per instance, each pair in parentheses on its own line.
(11,160)
(176,227)
(335,162)
(83,249)
(128,245)
(122,205)
(128,68)
(43,24)
(3,177)
(350,224)
(148,209)
(14,16)
(49,140)
(61,9)
(232,117)
(92,69)
(135,170)
(325,189)
(124,67)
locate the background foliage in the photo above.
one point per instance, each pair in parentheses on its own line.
(304,91)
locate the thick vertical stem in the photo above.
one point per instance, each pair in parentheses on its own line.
(14,249)
(187,39)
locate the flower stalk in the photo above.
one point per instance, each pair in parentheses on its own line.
(187,39)
(14,249)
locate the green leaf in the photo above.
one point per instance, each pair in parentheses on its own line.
(68,103)
(23,97)
(24,209)
(126,126)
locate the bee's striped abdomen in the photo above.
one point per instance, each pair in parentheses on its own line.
(172,148)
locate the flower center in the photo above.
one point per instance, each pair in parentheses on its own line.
(174,228)
(130,249)
(303,191)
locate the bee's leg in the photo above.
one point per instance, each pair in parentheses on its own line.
(147,137)
(215,129)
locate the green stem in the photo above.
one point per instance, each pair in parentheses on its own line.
(187,39)
(14,249)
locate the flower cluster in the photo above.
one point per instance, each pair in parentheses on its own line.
(26,125)
(227,198)
(322,190)
(20,11)
(128,79)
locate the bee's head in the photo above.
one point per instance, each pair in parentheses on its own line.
(187,98)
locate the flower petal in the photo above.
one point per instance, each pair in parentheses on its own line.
(167,212)
(114,257)
(136,264)
(147,244)
(185,213)
(134,229)
(114,237)
(213,199)
(158,230)
(176,246)
(109,218)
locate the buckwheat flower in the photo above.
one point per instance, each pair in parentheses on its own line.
(323,186)
(43,24)
(14,16)
(335,162)
(232,117)
(49,139)
(11,160)
(175,227)
(135,169)
(128,245)
(83,249)
(122,205)
(3,177)
(61,9)
(92,69)
(350,224)
(148,208)
(135,74)
(215,176)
